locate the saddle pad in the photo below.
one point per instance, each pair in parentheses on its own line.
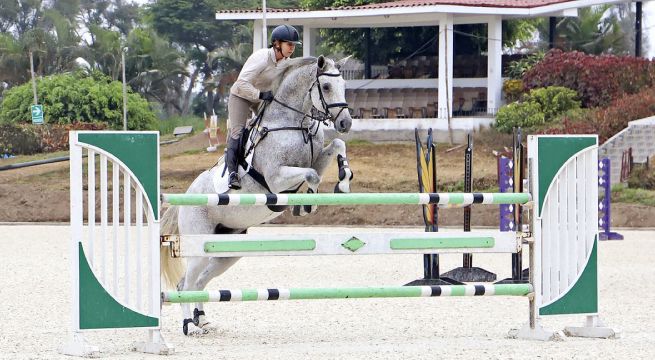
(220,179)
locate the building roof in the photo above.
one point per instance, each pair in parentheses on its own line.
(414,12)
(527,4)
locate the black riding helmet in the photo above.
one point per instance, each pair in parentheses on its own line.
(285,33)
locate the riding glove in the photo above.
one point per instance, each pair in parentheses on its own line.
(266,95)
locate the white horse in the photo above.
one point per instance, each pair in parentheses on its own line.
(286,151)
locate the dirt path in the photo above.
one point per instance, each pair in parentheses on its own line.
(41,193)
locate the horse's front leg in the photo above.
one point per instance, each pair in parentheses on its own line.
(289,177)
(337,147)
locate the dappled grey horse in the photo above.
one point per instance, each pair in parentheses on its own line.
(285,149)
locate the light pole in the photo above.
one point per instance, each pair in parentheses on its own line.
(123,51)
(36,99)
(264,30)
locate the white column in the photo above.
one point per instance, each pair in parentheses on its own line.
(444,109)
(257,36)
(309,35)
(494,64)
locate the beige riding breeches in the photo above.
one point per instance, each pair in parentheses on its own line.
(238,113)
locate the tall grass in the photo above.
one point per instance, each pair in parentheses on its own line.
(621,193)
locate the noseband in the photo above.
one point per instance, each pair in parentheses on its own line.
(325,114)
(322,116)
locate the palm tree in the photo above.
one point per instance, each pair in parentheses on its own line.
(596,30)
(156,70)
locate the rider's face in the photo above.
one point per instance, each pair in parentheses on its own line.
(287,48)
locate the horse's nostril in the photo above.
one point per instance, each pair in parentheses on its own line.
(344,125)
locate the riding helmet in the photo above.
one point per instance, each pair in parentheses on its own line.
(286,33)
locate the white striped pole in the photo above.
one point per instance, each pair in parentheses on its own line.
(346,293)
(347,199)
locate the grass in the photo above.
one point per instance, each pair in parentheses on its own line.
(167,126)
(623,194)
(358,142)
(25,158)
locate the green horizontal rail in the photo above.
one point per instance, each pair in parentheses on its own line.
(255,245)
(444,243)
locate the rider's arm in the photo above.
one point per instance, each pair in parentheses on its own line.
(254,66)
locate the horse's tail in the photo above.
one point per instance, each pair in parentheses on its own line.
(172,269)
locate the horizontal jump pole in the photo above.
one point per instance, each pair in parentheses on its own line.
(462,199)
(346,293)
(343,243)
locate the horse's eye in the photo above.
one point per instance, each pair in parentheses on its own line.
(326,87)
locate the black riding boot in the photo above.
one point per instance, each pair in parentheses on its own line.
(234,181)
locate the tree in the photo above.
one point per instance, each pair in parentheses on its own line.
(595,31)
(157,70)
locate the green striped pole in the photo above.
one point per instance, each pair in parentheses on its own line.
(346,293)
(460,199)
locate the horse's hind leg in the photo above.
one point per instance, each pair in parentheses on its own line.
(216,267)
(195,268)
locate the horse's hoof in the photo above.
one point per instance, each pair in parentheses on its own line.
(192,330)
(342,187)
(296,210)
(199,318)
(208,327)
(302,210)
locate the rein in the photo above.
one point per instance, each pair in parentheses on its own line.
(322,118)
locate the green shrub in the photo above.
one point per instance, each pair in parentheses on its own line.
(554,100)
(523,114)
(78,97)
(516,69)
(642,178)
(537,108)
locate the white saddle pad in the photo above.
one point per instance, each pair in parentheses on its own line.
(220,178)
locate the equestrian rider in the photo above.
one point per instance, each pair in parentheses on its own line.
(251,87)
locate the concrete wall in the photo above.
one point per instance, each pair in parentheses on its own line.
(640,135)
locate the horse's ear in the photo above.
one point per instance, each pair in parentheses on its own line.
(342,62)
(321,62)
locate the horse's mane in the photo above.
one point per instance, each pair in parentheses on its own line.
(297,64)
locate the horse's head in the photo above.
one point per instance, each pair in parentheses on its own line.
(329,93)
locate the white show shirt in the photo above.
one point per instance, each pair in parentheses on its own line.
(258,74)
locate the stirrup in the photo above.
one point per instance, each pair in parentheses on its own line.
(234,181)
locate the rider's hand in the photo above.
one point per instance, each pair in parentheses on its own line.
(266,95)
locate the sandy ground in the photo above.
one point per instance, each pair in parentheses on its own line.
(41,193)
(36,300)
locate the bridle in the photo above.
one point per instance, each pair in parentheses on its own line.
(326,114)
(321,115)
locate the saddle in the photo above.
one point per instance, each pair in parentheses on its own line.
(244,159)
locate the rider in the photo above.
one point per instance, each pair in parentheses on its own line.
(252,86)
